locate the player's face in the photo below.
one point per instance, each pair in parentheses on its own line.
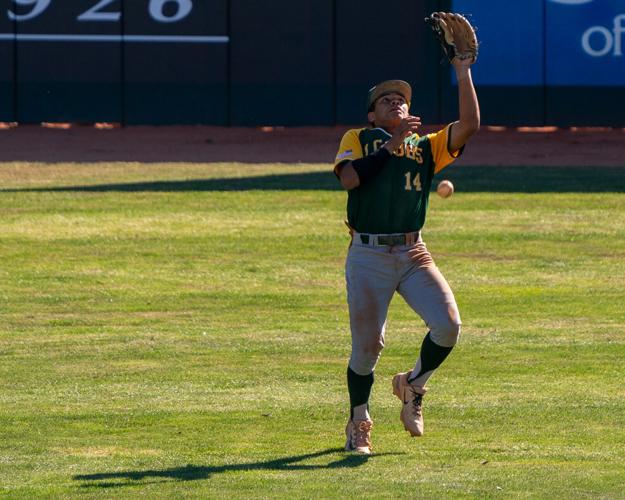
(389,110)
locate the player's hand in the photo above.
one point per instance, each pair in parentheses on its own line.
(406,128)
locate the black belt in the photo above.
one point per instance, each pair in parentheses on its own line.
(389,239)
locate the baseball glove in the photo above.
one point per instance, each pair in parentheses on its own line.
(455,34)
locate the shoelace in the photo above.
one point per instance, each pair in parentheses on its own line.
(416,401)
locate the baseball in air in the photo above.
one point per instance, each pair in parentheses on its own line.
(445,189)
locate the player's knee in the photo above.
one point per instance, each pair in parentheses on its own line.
(372,352)
(365,358)
(374,348)
(446,334)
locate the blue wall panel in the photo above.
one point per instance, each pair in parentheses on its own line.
(509,74)
(585,43)
(585,63)
(511,40)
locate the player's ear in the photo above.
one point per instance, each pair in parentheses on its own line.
(370,116)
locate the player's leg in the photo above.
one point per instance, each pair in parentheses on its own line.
(429,294)
(371,282)
(425,289)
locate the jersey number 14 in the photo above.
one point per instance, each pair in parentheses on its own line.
(416,182)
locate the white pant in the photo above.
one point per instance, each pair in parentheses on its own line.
(373,274)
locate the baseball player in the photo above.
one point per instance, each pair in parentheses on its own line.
(387,170)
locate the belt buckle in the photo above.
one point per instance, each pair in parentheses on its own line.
(392,239)
(399,239)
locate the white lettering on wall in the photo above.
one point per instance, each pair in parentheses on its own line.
(599,41)
(176,10)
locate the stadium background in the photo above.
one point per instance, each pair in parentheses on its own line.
(302,63)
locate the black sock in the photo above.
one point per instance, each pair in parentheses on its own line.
(431,355)
(359,387)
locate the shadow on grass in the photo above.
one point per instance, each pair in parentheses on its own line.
(466,179)
(199,472)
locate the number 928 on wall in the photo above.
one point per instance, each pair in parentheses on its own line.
(189,21)
(161,11)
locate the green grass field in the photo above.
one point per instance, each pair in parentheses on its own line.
(181,330)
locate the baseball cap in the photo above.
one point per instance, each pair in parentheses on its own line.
(399,86)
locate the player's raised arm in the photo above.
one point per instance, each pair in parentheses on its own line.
(459,43)
(469,110)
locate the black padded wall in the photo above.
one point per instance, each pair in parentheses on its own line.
(176,62)
(68,64)
(7,64)
(282,62)
(378,41)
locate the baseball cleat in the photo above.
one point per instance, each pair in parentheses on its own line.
(411,396)
(358,434)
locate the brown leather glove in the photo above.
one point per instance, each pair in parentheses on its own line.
(455,34)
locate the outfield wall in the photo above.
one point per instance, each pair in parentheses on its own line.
(303,62)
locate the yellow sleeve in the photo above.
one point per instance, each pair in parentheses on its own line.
(350,148)
(440,152)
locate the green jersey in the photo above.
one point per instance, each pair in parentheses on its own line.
(396,199)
